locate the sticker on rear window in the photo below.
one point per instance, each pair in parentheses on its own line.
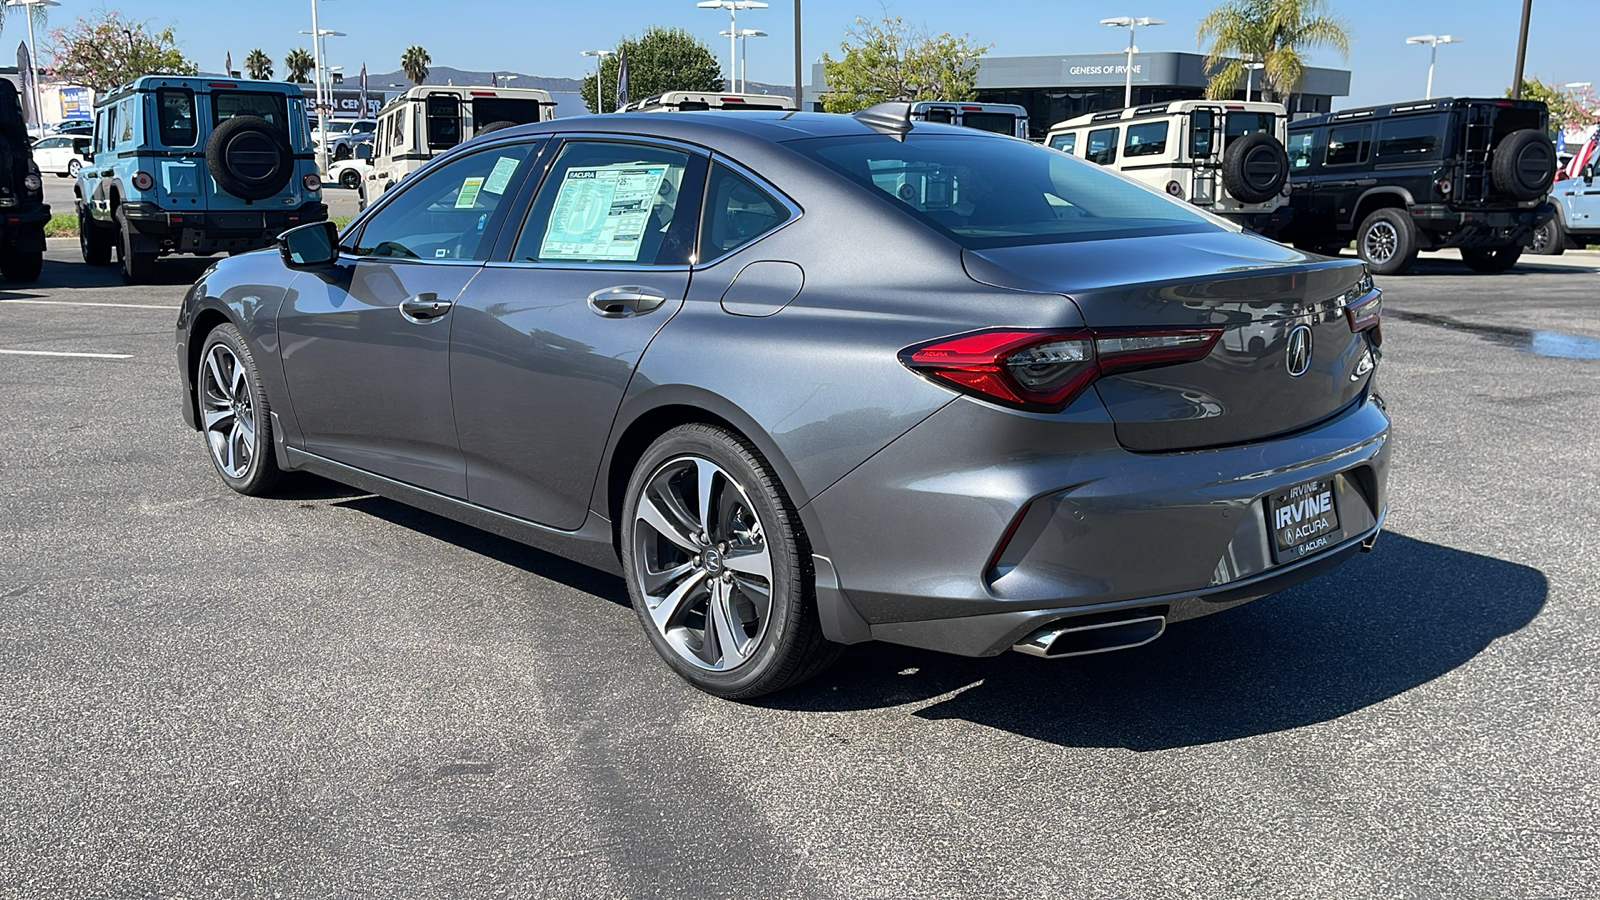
(601,212)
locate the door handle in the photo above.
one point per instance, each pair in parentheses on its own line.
(424,307)
(625,301)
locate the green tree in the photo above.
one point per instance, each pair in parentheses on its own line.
(258,65)
(660,60)
(890,60)
(414,62)
(1568,109)
(1272,32)
(297,64)
(105,50)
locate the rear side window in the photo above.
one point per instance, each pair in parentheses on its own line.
(1064,142)
(1410,138)
(175,116)
(737,212)
(615,203)
(1348,146)
(227,104)
(1300,149)
(1146,139)
(984,192)
(1102,146)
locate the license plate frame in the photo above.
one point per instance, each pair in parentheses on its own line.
(1304,519)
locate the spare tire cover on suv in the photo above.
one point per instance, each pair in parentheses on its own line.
(249,157)
(1524,164)
(1254,168)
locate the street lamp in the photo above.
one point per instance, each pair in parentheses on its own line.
(744,53)
(33,54)
(1131,23)
(1249,76)
(599,76)
(1433,40)
(733,7)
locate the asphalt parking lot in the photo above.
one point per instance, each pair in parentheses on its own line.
(331,695)
(58,192)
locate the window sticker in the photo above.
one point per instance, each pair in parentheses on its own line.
(469,192)
(601,212)
(504,168)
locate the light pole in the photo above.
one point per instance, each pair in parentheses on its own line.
(1433,40)
(1131,23)
(33,54)
(599,76)
(1250,69)
(733,7)
(744,54)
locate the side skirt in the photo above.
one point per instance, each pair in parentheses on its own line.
(589,545)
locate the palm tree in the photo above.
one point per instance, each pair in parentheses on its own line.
(299,64)
(414,62)
(1271,32)
(258,64)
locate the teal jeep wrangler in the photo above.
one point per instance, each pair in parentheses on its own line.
(196,166)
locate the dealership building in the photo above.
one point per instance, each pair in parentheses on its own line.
(1056,88)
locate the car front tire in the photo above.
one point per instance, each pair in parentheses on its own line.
(137,267)
(717,566)
(94,242)
(235,417)
(1387,241)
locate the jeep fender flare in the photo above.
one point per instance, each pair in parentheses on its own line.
(1365,204)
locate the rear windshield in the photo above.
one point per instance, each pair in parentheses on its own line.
(999,123)
(1239,124)
(493,110)
(984,192)
(227,104)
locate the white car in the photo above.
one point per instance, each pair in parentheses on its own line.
(61,155)
(349,173)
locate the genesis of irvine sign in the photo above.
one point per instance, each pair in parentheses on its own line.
(1098,70)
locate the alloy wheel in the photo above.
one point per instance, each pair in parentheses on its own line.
(1379,243)
(228,411)
(702,563)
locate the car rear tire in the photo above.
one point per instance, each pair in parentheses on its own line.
(21,265)
(1524,164)
(718,566)
(1549,239)
(1490,260)
(73,168)
(234,415)
(137,266)
(1387,241)
(94,241)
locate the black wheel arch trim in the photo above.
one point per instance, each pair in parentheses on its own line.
(1404,196)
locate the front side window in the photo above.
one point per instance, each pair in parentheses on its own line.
(1146,139)
(737,212)
(987,192)
(614,203)
(262,105)
(1300,149)
(1410,138)
(1348,146)
(175,116)
(1064,142)
(1102,147)
(444,214)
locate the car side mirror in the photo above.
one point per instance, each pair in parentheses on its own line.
(1588,175)
(309,246)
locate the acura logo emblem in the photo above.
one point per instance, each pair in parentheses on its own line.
(1299,350)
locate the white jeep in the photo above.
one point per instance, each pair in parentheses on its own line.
(1224,156)
(699,101)
(432,118)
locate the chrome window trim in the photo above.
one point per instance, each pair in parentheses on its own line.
(795,211)
(403,184)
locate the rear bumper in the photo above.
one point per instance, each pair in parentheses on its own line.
(213,232)
(1267,224)
(962,536)
(1439,226)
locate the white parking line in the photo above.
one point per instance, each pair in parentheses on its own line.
(77,303)
(62,353)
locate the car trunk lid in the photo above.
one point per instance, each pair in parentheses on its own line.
(1278,309)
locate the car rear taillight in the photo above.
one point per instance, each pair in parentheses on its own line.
(1175,189)
(143,181)
(312,181)
(1363,307)
(1444,185)
(1044,371)
(31,183)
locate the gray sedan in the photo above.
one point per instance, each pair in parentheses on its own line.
(810,380)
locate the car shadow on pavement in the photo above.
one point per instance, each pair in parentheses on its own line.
(1378,626)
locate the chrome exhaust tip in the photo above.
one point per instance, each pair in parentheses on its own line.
(1062,638)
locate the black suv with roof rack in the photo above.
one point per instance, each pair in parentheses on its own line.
(1423,175)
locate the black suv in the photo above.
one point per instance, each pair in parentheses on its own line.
(1423,175)
(23,212)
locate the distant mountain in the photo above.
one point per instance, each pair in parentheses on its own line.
(381,81)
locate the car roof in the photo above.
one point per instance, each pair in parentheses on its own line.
(1409,107)
(706,127)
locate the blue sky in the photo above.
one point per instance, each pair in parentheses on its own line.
(545,38)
